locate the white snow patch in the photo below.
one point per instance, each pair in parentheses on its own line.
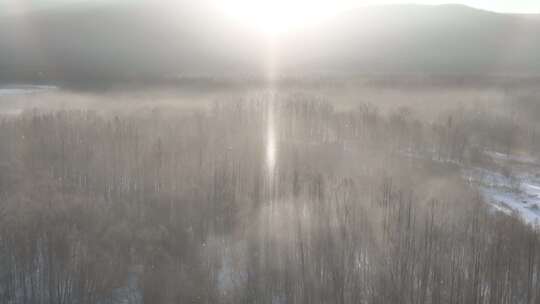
(515,158)
(518,194)
(25,89)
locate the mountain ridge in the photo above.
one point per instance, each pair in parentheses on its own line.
(147,40)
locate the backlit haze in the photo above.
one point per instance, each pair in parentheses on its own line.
(279,16)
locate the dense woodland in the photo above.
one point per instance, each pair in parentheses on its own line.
(268,198)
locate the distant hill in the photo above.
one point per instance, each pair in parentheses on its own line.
(446,39)
(152,40)
(122,41)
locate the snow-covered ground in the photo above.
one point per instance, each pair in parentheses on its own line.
(516,192)
(14,99)
(501,157)
(24,89)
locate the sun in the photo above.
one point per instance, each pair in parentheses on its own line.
(279,16)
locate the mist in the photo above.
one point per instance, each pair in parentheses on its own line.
(159,152)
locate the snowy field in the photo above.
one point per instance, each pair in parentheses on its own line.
(516,192)
(24,89)
(14,99)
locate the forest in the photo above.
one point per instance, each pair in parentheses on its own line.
(268,197)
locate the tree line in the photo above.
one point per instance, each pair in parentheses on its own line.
(180,207)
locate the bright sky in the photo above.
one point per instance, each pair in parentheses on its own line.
(514,6)
(505,6)
(276,16)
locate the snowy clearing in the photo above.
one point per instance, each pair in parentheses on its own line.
(516,192)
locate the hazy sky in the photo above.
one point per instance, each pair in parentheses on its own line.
(515,6)
(511,6)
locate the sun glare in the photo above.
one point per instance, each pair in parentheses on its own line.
(279,16)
